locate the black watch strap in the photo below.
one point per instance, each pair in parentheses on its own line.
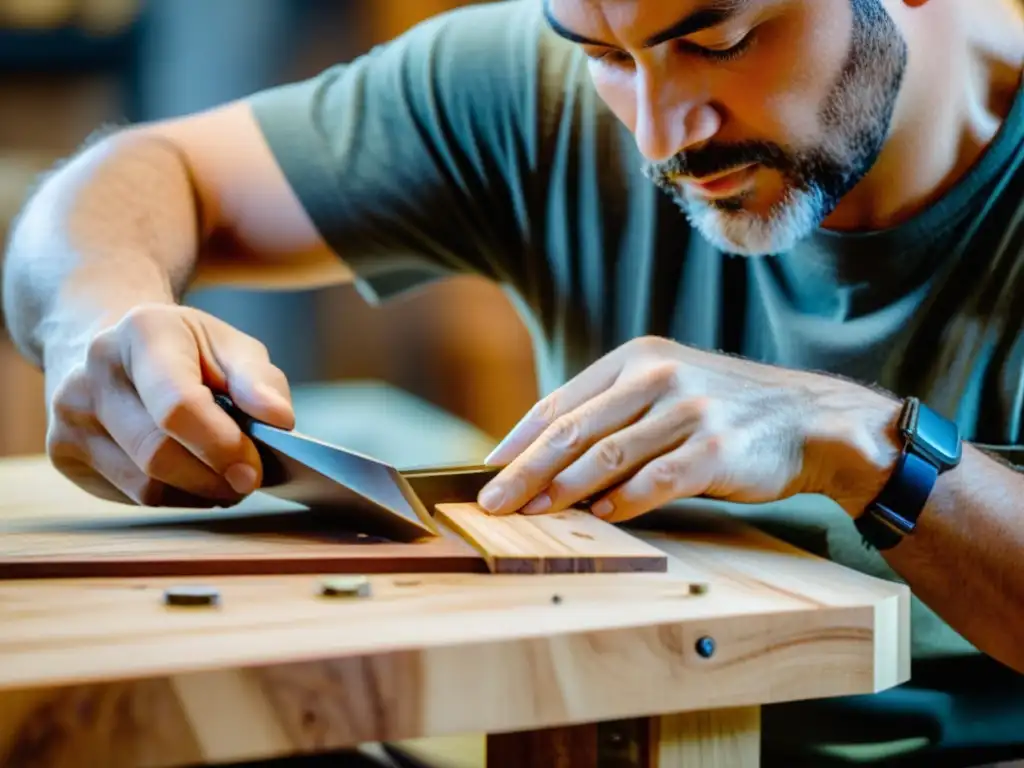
(893,514)
(931,446)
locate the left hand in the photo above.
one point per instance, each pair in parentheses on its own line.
(654,421)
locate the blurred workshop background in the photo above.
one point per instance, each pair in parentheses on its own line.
(68,67)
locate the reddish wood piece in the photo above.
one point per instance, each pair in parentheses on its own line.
(217,545)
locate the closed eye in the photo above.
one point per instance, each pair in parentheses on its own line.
(618,57)
(716,53)
(610,56)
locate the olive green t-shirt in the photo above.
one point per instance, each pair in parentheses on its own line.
(475,143)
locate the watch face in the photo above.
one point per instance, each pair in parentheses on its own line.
(936,437)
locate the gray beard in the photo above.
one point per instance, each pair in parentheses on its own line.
(855,123)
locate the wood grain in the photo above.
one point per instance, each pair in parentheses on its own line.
(433,654)
(209,545)
(50,528)
(62,532)
(101,672)
(718,738)
(574,746)
(566,542)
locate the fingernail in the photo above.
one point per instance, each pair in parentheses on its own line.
(493,456)
(491,497)
(603,508)
(267,392)
(539,504)
(242,478)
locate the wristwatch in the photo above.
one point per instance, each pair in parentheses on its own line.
(931,446)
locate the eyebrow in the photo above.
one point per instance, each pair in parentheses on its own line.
(709,14)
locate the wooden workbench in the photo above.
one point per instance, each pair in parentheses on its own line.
(558,669)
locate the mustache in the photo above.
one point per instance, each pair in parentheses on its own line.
(717,158)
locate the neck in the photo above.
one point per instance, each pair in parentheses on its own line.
(961,81)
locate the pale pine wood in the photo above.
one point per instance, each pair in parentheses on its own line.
(704,547)
(460,751)
(445,655)
(51,528)
(100,672)
(229,715)
(717,738)
(566,542)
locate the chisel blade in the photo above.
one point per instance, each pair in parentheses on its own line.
(374,496)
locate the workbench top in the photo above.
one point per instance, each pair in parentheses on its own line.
(738,619)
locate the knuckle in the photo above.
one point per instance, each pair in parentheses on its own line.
(182,409)
(566,432)
(258,349)
(609,455)
(149,493)
(691,412)
(72,402)
(663,376)
(148,450)
(665,474)
(545,411)
(649,343)
(103,352)
(137,321)
(702,404)
(713,446)
(62,442)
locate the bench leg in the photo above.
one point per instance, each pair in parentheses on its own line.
(724,738)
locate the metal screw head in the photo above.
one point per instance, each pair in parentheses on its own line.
(345,586)
(705,647)
(187,595)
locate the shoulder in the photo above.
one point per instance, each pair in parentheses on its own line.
(475,82)
(502,50)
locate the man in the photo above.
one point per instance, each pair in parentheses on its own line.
(696,204)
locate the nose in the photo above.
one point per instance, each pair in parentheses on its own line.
(668,121)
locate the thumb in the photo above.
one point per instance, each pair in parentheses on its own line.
(240,366)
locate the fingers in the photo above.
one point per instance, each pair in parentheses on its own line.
(162,360)
(255,384)
(614,458)
(155,453)
(565,439)
(585,386)
(94,462)
(138,418)
(686,472)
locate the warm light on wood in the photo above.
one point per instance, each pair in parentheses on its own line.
(434,654)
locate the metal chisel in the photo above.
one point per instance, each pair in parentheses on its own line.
(372,495)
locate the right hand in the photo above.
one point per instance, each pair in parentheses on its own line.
(135,420)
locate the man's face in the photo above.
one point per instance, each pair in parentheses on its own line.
(757,116)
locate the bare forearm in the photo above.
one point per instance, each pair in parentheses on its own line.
(964,558)
(115,227)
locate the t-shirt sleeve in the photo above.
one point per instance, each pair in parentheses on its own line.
(418,159)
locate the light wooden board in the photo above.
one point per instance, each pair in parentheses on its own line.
(434,654)
(100,671)
(50,528)
(717,738)
(565,542)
